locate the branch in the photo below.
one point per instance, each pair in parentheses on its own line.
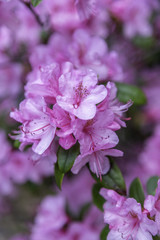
(29,6)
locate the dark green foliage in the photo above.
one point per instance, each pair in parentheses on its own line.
(128,92)
(58,176)
(35,2)
(152,185)
(113,179)
(66,158)
(104,233)
(98,200)
(136,191)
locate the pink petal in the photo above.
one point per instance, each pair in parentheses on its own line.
(45,141)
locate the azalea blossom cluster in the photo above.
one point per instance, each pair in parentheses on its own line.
(12,162)
(127,219)
(81,110)
(64,209)
(54,209)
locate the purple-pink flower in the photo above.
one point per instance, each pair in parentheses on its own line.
(52,222)
(79,93)
(126,218)
(135,15)
(152,205)
(98,161)
(86,8)
(96,139)
(50,219)
(38,124)
(111,102)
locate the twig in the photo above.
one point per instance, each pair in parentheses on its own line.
(29,6)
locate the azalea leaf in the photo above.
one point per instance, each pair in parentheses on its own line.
(45,35)
(127,92)
(35,2)
(98,200)
(104,233)
(66,158)
(80,215)
(136,191)
(144,42)
(152,185)
(84,210)
(16,144)
(58,176)
(113,179)
(156,238)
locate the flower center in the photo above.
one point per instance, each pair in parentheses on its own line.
(80,93)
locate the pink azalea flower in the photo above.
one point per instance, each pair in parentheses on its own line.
(86,51)
(50,219)
(96,140)
(10,80)
(125,218)
(152,205)
(20,162)
(151,89)
(67,142)
(135,15)
(111,102)
(38,124)
(21,23)
(82,231)
(63,15)
(6,184)
(89,228)
(5,38)
(79,194)
(65,130)
(151,151)
(98,161)
(115,71)
(86,8)
(42,168)
(80,93)
(95,134)
(41,55)
(45,81)
(52,223)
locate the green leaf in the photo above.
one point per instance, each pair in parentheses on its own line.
(127,92)
(66,158)
(35,2)
(84,210)
(136,191)
(80,215)
(98,200)
(104,233)
(45,35)
(16,144)
(152,185)
(113,179)
(58,176)
(156,238)
(144,42)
